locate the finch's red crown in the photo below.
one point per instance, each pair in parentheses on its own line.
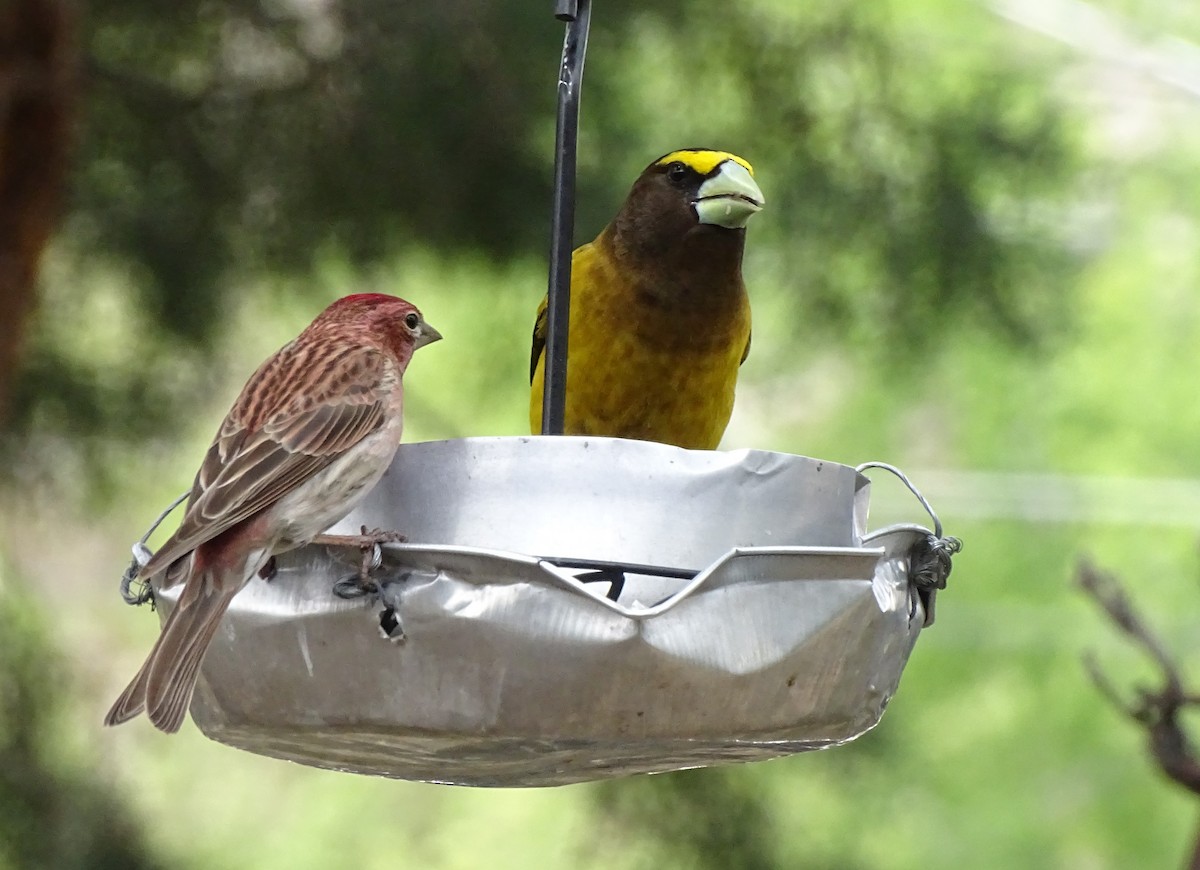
(376,309)
(365,299)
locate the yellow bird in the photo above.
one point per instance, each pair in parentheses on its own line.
(660,319)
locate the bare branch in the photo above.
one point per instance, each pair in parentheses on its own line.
(1106,688)
(1155,710)
(1104,588)
(1175,754)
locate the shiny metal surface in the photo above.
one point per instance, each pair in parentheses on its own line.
(606,498)
(513,673)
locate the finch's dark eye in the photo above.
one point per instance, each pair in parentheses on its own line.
(412,321)
(677,173)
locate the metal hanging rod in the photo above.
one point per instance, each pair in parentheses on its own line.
(577,14)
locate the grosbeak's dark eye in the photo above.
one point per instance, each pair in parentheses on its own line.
(677,173)
(412,321)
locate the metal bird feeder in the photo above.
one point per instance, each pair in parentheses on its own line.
(576,608)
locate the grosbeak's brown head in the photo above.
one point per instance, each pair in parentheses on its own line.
(687,196)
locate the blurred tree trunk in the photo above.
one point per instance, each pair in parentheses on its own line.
(38,84)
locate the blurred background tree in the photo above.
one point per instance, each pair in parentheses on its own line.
(978,256)
(259,138)
(38,85)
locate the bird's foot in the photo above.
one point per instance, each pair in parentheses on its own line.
(370,541)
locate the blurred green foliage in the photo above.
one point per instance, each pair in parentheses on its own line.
(905,177)
(716,818)
(52,816)
(971,258)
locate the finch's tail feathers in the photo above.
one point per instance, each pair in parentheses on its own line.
(163,687)
(133,700)
(175,662)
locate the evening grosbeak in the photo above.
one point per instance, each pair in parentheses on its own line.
(312,431)
(659,317)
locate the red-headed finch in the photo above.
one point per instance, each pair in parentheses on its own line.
(312,431)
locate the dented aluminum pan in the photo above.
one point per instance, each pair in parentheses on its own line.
(503,669)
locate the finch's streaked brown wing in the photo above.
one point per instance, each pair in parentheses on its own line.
(248,469)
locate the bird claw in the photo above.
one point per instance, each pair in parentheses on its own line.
(369,542)
(368,538)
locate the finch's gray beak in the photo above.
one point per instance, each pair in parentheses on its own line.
(730,198)
(426,334)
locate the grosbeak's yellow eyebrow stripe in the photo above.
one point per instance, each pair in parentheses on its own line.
(703,162)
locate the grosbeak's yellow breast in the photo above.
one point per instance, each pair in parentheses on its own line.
(636,371)
(659,319)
